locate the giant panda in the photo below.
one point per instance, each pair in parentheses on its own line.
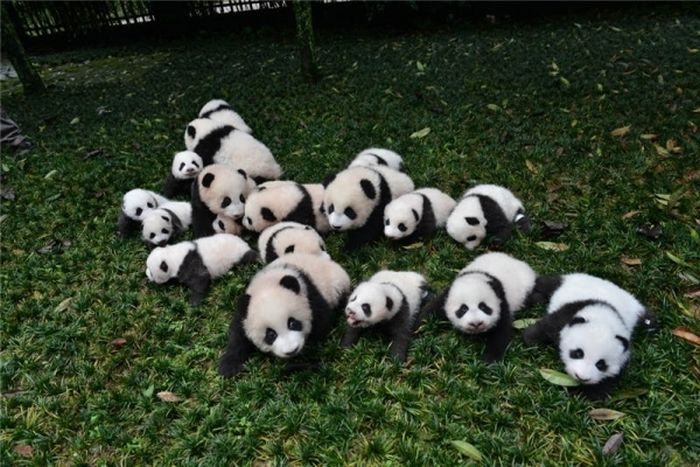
(486,210)
(196,263)
(218,189)
(289,237)
(184,169)
(221,111)
(166,222)
(416,215)
(390,301)
(591,321)
(280,201)
(135,204)
(223,144)
(225,224)
(289,304)
(355,199)
(373,157)
(485,296)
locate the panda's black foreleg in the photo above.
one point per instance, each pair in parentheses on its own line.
(126,225)
(435,308)
(536,333)
(351,336)
(498,338)
(523,222)
(501,235)
(238,350)
(174,187)
(400,338)
(198,289)
(596,392)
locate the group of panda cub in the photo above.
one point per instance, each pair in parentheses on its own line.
(231,178)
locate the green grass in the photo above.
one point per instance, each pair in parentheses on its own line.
(77,399)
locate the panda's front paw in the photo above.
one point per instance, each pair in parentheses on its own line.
(530,335)
(229,369)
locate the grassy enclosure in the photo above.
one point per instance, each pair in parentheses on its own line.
(592,122)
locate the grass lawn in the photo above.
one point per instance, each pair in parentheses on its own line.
(531,107)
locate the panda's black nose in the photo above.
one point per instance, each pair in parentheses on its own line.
(335,227)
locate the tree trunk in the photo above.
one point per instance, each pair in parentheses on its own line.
(31,81)
(305,40)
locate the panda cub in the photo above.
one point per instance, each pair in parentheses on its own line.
(486,210)
(225,224)
(591,321)
(417,215)
(218,189)
(290,303)
(280,201)
(289,237)
(484,298)
(167,221)
(390,301)
(135,204)
(372,157)
(196,263)
(355,199)
(186,165)
(221,111)
(223,144)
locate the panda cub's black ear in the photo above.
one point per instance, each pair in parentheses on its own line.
(327,181)
(191,131)
(625,343)
(577,320)
(267,215)
(242,172)
(207,180)
(291,283)
(368,188)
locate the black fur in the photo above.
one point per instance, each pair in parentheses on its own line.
(547,329)
(216,109)
(380,160)
(126,225)
(523,223)
(202,217)
(270,255)
(211,143)
(176,186)
(175,221)
(427,225)
(327,181)
(498,227)
(600,390)
(303,212)
(250,257)
(194,275)
(374,226)
(545,286)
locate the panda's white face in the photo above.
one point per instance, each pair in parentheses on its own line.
(299,240)
(186,165)
(137,203)
(400,218)
(224,190)
(223,224)
(350,198)
(157,227)
(472,306)
(592,349)
(368,305)
(159,267)
(467,223)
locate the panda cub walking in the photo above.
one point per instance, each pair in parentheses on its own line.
(391,301)
(484,298)
(591,321)
(135,205)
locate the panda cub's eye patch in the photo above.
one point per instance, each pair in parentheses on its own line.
(164,266)
(226,202)
(576,354)
(182,165)
(165,231)
(366,309)
(195,164)
(402,227)
(221,225)
(150,205)
(331,208)
(152,235)
(461,311)
(472,220)
(139,211)
(471,238)
(289,249)
(350,212)
(601,364)
(270,336)
(242,199)
(294,324)
(485,308)
(386,222)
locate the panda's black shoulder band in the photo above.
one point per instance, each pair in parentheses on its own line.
(270,254)
(214,110)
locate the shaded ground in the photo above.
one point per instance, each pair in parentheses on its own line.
(530,107)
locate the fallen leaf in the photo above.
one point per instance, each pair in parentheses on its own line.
(531,166)
(620,132)
(552,246)
(689,177)
(630,214)
(649,136)
(558,378)
(24,450)
(94,153)
(605,414)
(552,229)
(63,306)
(564,81)
(493,107)
(630,261)
(50,174)
(167,396)
(672,146)
(661,151)
(413,246)
(650,231)
(692,294)
(75,120)
(421,133)
(692,311)
(523,323)
(677,260)
(118,342)
(613,444)
(631,393)
(420,66)
(467,449)
(685,334)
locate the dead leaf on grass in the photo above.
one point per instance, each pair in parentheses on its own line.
(620,132)
(686,335)
(649,136)
(118,342)
(24,450)
(613,444)
(531,167)
(605,414)
(630,261)
(552,246)
(167,396)
(630,214)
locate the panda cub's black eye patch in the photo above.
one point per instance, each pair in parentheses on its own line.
(331,208)
(165,231)
(289,249)
(294,324)
(164,266)
(150,205)
(350,213)
(471,238)
(386,222)
(576,354)
(601,364)
(472,220)
(139,211)
(270,336)
(195,164)
(242,199)
(485,308)
(182,165)
(366,309)
(402,227)
(461,311)
(152,235)
(226,202)
(221,225)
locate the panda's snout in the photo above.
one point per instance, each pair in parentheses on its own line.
(336,227)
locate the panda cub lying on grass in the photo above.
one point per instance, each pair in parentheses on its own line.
(390,301)
(591,321)
(280,201)
(135,204)
(416,215)
(196,263)
(185,167)
(166,222)
(221,111)
(290,237)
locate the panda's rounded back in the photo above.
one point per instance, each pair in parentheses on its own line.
(441,202)
(505,198)
(278,198)
(299,239)
(329,277)
(242,150)
(316,192)
(221,251)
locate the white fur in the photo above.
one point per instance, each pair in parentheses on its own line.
(469,206)
(595,337)
(225,116)
(400,211)
(316,191)
(137,202)
(292,236)
(158,226)
(372,296)
(472,290)
(368,158)
(271,306)
(281,198)
(238,149)
(228,184)
(186,165)
(225,224)
(172,256)
(345,192)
